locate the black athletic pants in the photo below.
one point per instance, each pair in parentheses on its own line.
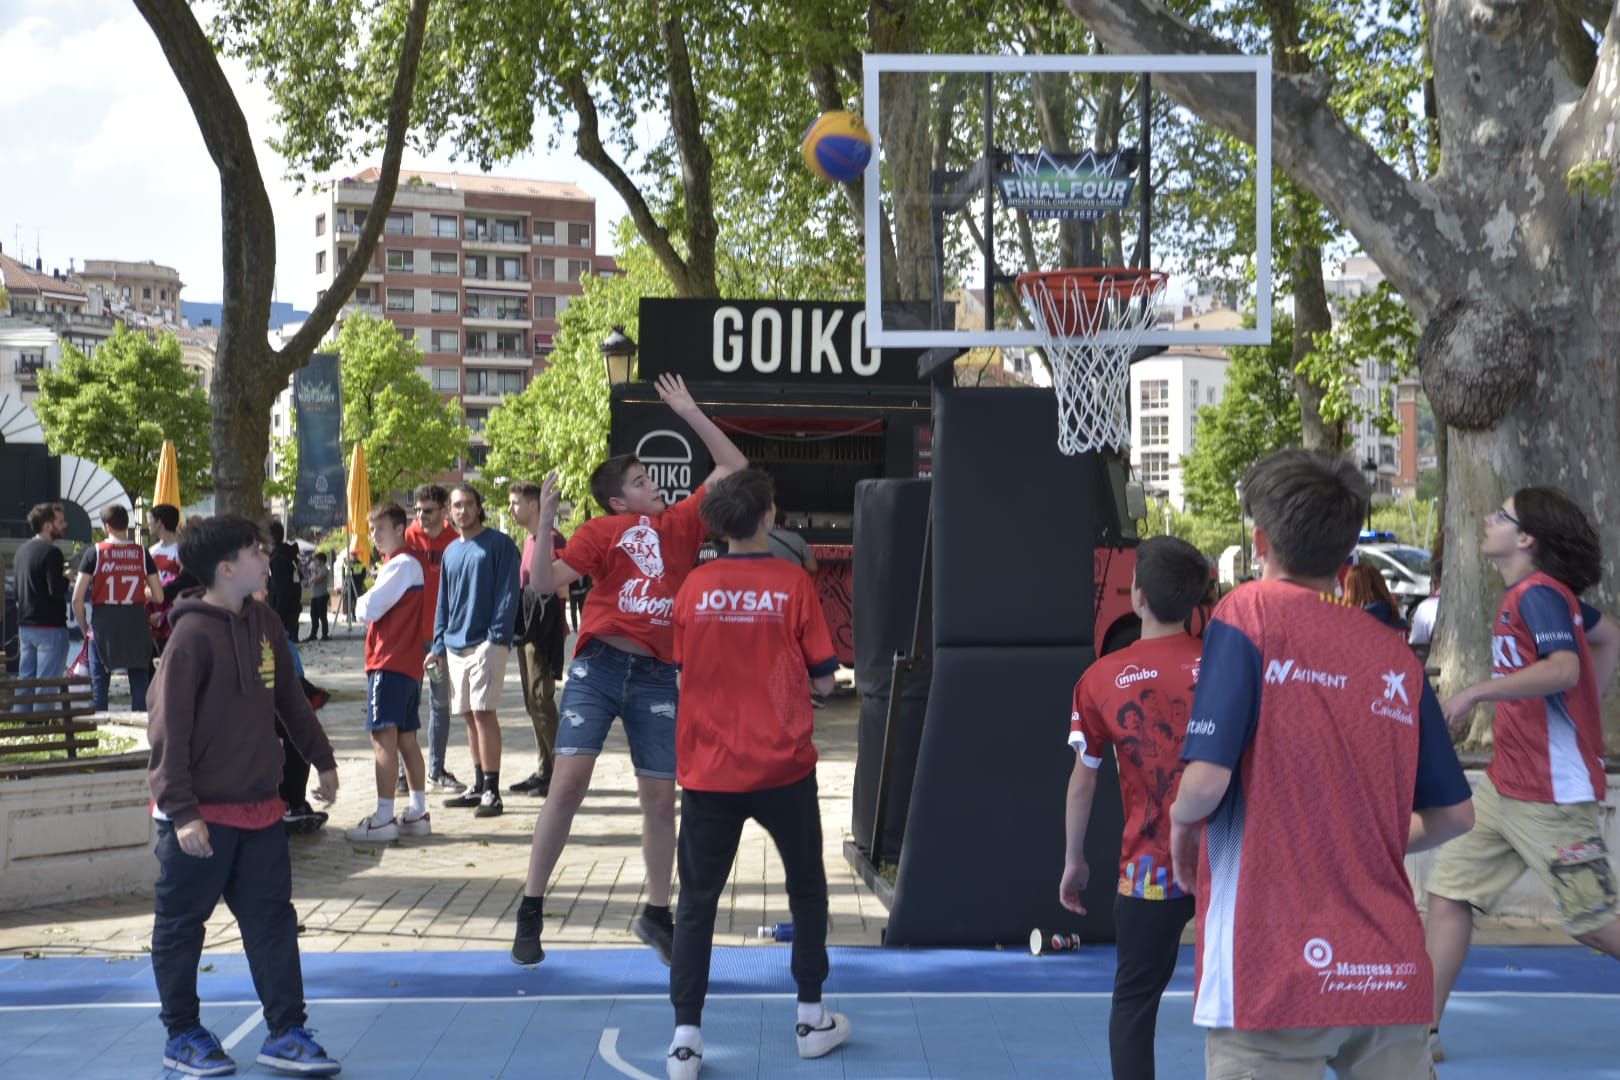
(252,872)
(317,617)
(1147,935)
(711,826)
(294,771)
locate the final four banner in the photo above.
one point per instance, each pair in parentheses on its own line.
(319,502)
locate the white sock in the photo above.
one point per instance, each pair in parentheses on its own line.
(688,1035)
(385,811)
(811,1012)
(418,804)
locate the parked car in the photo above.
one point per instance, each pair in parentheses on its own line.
(1405,568)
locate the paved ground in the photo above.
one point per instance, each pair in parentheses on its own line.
(458,888)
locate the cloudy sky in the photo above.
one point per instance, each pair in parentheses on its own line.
(100,157)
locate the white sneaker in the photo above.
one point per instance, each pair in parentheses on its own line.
(1436,1054)
(816,1042)
(369,832)
(683,1063)
(416,826)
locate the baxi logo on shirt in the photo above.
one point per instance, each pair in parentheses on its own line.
(640,542)
(1279,672)
(1505,652)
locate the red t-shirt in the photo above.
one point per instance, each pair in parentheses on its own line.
(638,564)
(1138,700)
(748,635)
(1548,749)
(431,552)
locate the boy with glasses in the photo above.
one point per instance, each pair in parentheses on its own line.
(1539,804)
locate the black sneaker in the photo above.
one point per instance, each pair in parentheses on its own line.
(445,782)
(490,805)
(466,800)
(661,936)
(303,819)
(534,785)
(526,948)
(402,786)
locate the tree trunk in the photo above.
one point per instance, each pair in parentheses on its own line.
(1311,317)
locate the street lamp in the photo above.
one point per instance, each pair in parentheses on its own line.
(618,356)
(1243,533)
(1369,470)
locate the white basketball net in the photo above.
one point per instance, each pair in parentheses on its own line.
(1091,328)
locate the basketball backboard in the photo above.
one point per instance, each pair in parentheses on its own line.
(1088,164)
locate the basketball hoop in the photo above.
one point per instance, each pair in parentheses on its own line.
(1091,320)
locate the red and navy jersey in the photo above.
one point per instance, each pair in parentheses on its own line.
(118,570)
(392,612)
(1548,749)
(1305,914)
(638,563)
(1137,700)
(748,634)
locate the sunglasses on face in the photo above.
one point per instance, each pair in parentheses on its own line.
(420,510)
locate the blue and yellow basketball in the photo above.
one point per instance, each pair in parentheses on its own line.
(837,146)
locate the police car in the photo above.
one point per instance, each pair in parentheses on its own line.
(1405,568)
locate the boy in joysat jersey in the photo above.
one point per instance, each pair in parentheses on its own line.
(638,555)
(1137,700)
(1317,757)
(1539,804)
(752,644)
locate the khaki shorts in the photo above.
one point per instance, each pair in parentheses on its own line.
(1562,844)
(1397,1052)
(476,674)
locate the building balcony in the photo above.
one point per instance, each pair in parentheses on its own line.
(27,369)
(499,316)
(519,283)
(510,355)
(495,240)
(69,322)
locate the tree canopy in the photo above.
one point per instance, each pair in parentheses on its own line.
(115,407)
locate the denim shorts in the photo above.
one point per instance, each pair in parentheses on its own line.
(604,682)
(393,701)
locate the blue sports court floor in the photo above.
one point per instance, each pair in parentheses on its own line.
(602,1014)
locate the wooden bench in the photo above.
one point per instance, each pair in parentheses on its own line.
(61,720)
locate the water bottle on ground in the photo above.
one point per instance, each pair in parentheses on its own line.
(782,931)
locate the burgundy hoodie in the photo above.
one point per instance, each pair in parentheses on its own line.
(222,681)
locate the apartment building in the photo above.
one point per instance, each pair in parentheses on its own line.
(46,310)
(478,269)
(134,287)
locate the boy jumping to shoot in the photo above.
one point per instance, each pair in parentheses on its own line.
(1137,700)
(392,612)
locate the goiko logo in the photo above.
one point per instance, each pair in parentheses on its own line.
(640,542)
(1318,953)
(1395,687)
(667,457)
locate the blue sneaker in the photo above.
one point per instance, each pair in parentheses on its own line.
(296,1051)
(197,1053)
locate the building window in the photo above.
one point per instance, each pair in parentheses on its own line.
(545,307)
(320,224)
(496,307)
(578,268)
(475,266)
(146,292)
(446,302)
(444,262)
(545,232)
(1209,396)
(490,383)
(545,269)
(509,231)
(163,294)
(509,270)
(477,456)
(1192,396)
(444,225)
(401,260)
(446,380)
(399,225)
(1386,455)
(342,257)
(445,341)
(1155,394)
(579,233)
(475,418)
(1155,468)
(401,300)
(1155,430)
(320,262)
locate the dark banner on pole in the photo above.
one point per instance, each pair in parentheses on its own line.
(320,501)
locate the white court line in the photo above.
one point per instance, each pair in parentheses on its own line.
(608,1047)
(1081,995)
(242,1029)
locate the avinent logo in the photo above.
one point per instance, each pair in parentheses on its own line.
(1279,672)
(316,393)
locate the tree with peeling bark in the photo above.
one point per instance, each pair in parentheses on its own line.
(312,58)
(1508,257)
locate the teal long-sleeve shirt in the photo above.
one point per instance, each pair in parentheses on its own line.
(478,592)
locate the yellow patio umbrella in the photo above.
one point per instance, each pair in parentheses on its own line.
(168,477)
(359,506)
